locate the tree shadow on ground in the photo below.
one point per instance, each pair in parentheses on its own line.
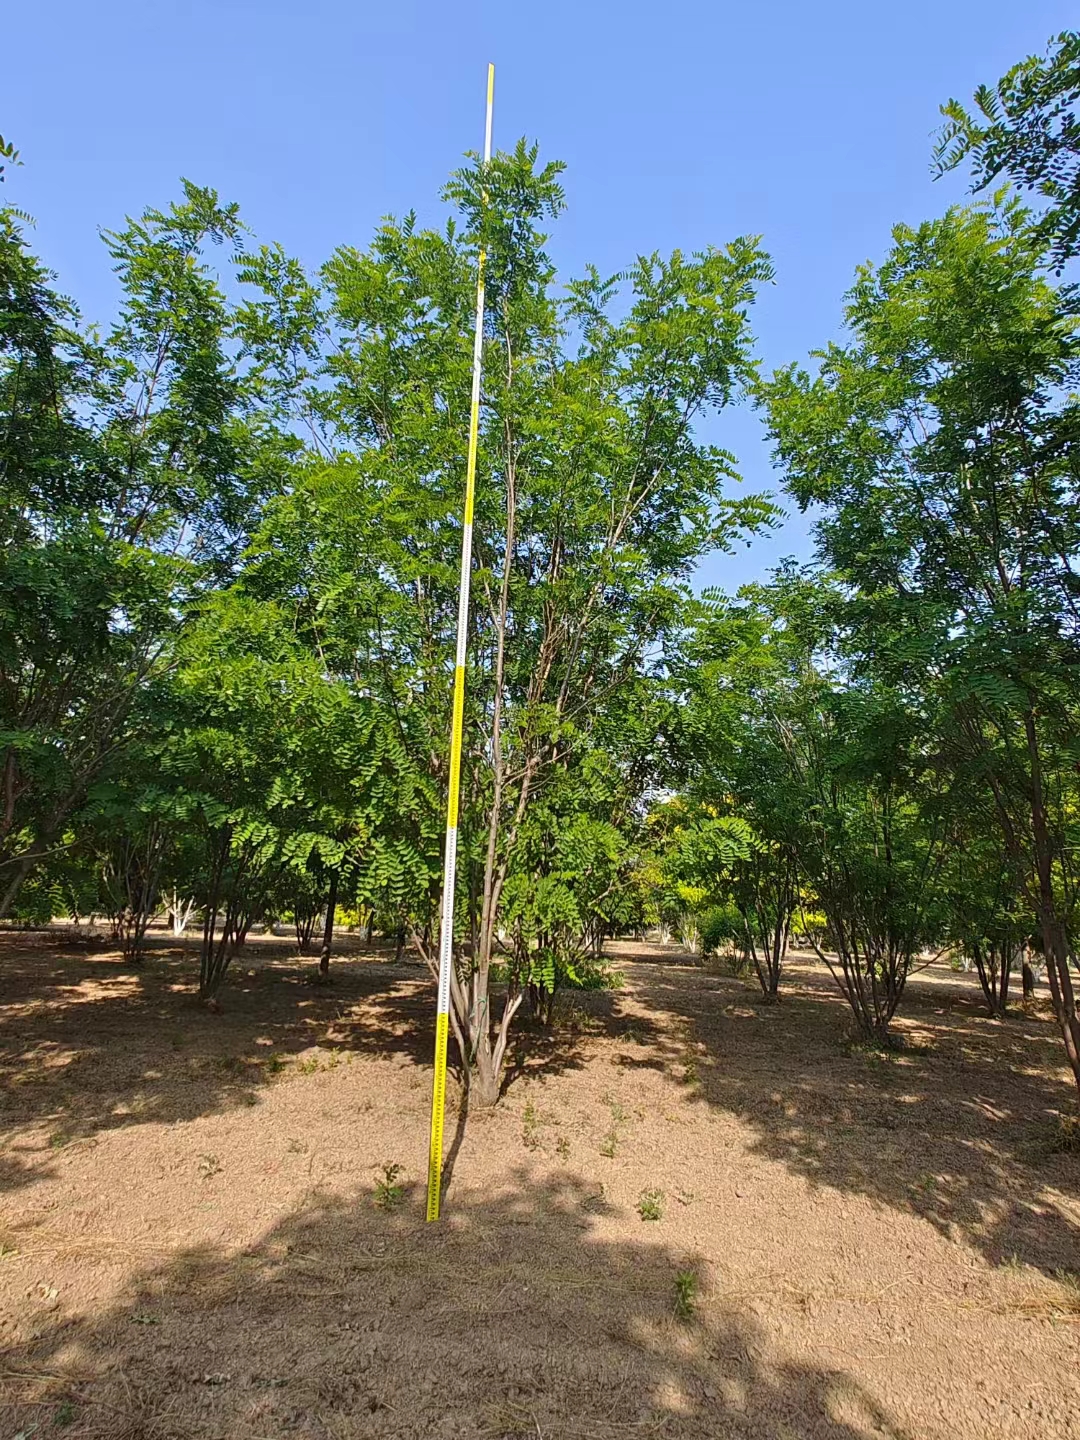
(957,1127)
(514,1317)
(89,1043)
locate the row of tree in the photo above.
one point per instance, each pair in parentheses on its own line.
(899,723)
(229,535)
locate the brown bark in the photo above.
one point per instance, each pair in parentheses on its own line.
(1055,940)
(328,928)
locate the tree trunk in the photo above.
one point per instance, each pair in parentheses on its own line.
(1055,941)
(328,929)
(1027,974)
(21,871)
(484,1083)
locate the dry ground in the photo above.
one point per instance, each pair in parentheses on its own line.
(190,1244)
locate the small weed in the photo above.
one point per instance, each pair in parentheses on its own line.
(308,1066)
(275,1064)
(618,1114)
(388,1192)
(333,1060)
(296,1147)
(650,1205)
(6,1250)
(65,1413)
(530,1127)
(562,1147)
(58,1139)
(209,1166)
(145,1320)
(684,1197)
(596,1203)
(690,1070)
(686,1295)
(232,1065)
(610,1143)
(1065,1137)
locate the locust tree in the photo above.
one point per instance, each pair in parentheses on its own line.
(830,768)
(596,496)
(940,440)
(737,664)
(1026,129)
(127,482)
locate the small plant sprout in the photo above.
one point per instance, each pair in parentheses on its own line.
(209,1166)
(388,1191)
(650,1205)
(1065,1136)
(686,1294)
(530,1137)
(610,1143)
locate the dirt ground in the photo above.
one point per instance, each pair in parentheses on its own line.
(191,1244)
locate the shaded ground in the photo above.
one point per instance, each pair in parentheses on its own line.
(190,1244)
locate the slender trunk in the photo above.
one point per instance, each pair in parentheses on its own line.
(1006,962)
(328,929)
(15,884)
(1027,974)
(1055,941)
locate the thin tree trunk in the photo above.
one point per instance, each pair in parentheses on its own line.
(1055,943)
(328,929)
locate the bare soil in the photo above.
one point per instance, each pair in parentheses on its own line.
(191,1243)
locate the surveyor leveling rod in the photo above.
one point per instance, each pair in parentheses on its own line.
(446,928)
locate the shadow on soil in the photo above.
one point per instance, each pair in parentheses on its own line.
(88,1043)
(957,1127)
(953,1129)
(512,1319)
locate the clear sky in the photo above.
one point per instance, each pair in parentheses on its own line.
(682,124)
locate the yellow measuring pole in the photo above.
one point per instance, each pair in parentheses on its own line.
(446,928)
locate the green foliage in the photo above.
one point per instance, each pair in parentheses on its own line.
(8,153)
(938,445)
(686,1287)
(719,925)
(1027,129)
(650,1204)
(389,1192)
(230,537)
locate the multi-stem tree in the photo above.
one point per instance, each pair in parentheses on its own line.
(595,498)
(127,482)
(941,443)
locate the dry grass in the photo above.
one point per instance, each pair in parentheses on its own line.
(230,1239)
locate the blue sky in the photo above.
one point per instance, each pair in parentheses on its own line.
(681,124)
